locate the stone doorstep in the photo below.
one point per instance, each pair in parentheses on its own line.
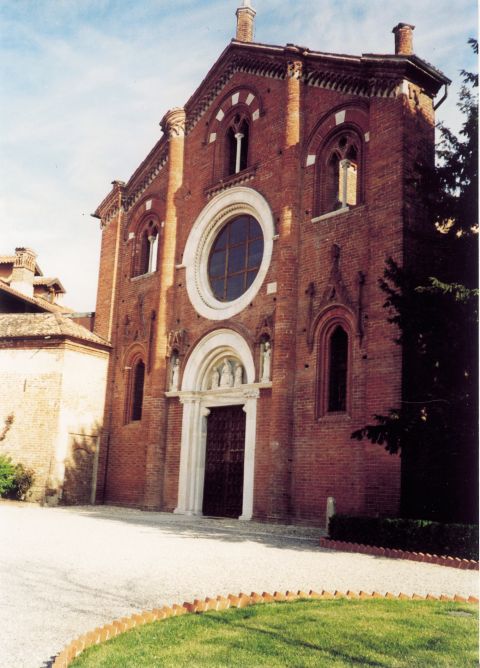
(392,553)
(99,635)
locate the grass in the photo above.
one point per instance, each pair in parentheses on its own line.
(312,633)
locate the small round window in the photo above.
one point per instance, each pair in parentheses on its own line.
(235,258)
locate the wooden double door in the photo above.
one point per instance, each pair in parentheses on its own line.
(223,486)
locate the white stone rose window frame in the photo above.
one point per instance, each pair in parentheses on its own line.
(224,208)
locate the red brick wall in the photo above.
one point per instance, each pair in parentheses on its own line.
(318,457)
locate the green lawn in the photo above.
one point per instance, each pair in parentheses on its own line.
(302,633)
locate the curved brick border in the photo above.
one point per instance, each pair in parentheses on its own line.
(118,626)
(453,562)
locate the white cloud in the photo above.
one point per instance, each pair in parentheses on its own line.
(84,84)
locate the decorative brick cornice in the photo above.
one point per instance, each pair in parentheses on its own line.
(253,64)
(453,562)
(352,83)
(144,176)
(369,75)
(138,183)
(119,626)
(110,206)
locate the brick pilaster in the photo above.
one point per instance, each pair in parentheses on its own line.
(283,376)
(173,124)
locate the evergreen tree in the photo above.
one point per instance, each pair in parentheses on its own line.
(435,427)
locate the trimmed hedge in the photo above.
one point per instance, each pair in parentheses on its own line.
(455,540)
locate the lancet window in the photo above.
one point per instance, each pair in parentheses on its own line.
(237,140)
(334,365)
(337,371)
(148,255)
(135,403)
(340,173)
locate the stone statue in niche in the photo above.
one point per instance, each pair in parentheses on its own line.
(215,379)
(238,375)
(175,375)
(266,362)
(226,378)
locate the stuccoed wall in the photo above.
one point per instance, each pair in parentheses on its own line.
(56,396)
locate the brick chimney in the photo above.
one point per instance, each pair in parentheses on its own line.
(23,271)
(403,39)
(245,22)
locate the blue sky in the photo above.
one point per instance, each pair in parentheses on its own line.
(84,84)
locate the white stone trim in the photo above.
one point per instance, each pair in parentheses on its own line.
(220,115)
(311,157)
(235,98)
(250,99)
(403,88)
(211,347)
(330,214)
(213,136)
(340,117)
(197,402)
(271,288)
(148,205)
(223,207)
(256,115)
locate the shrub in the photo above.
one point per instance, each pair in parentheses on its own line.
(7,475)
(15,479)
(24,479)
(456,540)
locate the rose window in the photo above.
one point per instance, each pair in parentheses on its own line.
(235,258)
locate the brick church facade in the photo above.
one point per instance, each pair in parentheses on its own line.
(239,285)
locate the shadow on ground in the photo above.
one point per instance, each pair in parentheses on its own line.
(229,530)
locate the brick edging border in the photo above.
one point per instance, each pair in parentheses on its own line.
(453,562)
(119,626)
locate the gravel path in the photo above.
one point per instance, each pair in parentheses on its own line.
(64,571)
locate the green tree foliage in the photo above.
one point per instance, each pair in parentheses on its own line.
(15,479)
(435,427)
(7,475)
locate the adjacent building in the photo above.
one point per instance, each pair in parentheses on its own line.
(52,383)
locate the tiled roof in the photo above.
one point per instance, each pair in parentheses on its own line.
(44,280)
(10,259)
(43,325)
(41,303)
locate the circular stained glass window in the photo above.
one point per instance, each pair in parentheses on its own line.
(235,258)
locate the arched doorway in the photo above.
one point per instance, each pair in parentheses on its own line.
(217,458)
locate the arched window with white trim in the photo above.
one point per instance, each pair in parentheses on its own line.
(339,173)
(148,251)
(237,144)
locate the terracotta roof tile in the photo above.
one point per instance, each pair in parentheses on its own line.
(35,325)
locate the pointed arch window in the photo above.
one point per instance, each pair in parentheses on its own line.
(135,403)
(339,179)
(237,144)
(334,363)
(337,370)
(148,253)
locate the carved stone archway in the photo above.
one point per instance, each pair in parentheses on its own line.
(200,392)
